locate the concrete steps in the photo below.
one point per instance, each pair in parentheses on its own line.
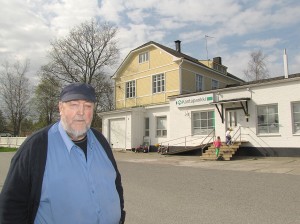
(225,151)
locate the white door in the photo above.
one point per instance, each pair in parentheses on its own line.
(117,133)
(234,119)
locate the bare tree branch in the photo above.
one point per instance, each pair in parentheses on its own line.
(257,68)
(16,93)
(84,56)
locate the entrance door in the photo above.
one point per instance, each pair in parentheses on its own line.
(234,118)
(117,133)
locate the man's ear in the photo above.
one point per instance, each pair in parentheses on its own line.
(60,107)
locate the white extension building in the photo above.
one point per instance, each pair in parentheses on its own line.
(266,113)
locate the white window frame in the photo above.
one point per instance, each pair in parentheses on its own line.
(214,84)
(203,122)
(296,117)
(158,83)
(161,131)
(267,119)
(199,83)
(143,57)
(130,89)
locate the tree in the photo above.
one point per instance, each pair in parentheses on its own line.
(46,100)
(257,68)
(84,55)
(2,122)
(15,92)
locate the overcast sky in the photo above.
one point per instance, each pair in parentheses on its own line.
(234,28)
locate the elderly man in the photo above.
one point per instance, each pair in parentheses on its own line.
(65,173)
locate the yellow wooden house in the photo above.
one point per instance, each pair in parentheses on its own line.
(153,72)
(144,83)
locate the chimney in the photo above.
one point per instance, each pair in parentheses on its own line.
(217,60)
(177,45)
(285,64)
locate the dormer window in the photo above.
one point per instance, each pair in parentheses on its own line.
(143,57)
(220,68)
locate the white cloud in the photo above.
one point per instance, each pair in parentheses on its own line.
(27,26)
(262,43)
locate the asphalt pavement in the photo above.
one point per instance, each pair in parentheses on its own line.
(282,165)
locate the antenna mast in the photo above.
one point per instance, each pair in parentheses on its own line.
(206,36)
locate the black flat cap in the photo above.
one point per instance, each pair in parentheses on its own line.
(78,91)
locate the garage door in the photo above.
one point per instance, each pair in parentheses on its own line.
(117,133)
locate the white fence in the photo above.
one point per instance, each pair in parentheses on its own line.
(13,142)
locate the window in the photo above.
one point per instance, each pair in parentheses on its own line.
(143,57)
(296,117)
(130,89)
(214,84)
(158,83)
(232,119)
(267,119)
(203,122)
(199,83)
(147,129)
(161,126)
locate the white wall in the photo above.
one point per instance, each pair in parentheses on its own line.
(13,142)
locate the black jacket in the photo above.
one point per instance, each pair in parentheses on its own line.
(21,193)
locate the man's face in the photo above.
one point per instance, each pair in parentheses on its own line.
(76,117)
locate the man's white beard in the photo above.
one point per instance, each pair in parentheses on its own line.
(75,134)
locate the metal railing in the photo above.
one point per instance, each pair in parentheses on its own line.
(181,142)
(204,143)
(236,136)
(211,139)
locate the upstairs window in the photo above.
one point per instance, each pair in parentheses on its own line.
(158,83)
(143,57)
(199,83)
(130,89)
(214,84)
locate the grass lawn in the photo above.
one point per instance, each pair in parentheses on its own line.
(6,149)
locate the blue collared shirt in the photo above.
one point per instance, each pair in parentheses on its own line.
(76,190)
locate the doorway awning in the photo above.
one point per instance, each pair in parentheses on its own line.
(243,102)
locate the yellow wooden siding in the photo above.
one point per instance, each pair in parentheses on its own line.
(145,100)
(171,80)
(130,102)
(119,91)
(158,98)
(143,86)
(119,104)
(171,94)
(188,81)
(159,58)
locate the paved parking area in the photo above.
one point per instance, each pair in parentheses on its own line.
(282,165)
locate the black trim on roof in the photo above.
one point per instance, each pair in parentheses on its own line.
(182,55)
